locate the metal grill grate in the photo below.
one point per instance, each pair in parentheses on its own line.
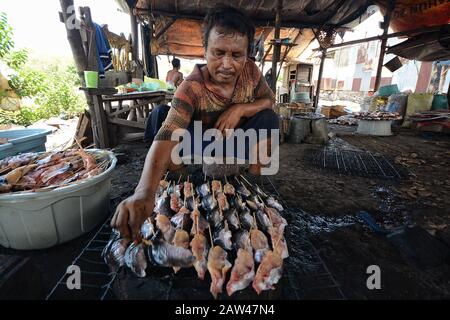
(96,279)
(305,274)
(351,162)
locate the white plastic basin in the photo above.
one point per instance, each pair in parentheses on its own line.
(39,220)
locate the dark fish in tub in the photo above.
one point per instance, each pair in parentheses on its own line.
(114,252)
(147,229)
(203,190)
(247,221)
(222,236)
(273,203)
(232,219)
(209,202)
(263,220)
(214,218)
(135,259)
(164,254)
(241,240)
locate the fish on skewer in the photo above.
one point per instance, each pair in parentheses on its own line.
(228,188)
(216,186)
(222,201)
(199,247)
(246,219)
(278,242)
(198,221)
(188,189)
(203,190)
(214,218)
(163,254)
(175,203)
(218,266)
(277,220)
(269,272)
(164,225)
(237,203)
(209,202)
(147,229)
(114,252)
(263,220)
(163,204)
(232,218)
(243,191)
(222,236)
(181,219)
(260,244)
(135,259)
(241,240)
(273,203)
(243,272)
(181,239)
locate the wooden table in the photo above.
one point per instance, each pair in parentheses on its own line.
(112,109)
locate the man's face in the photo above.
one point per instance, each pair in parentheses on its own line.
(225,56)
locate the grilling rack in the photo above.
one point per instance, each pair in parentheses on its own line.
(350,162)
(305,274)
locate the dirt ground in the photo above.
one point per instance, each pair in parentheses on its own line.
(329,203)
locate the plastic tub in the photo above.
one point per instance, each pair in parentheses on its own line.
(39,220)
(23,140)
(375,128)
(388,90)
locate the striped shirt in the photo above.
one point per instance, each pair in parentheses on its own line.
(194,99)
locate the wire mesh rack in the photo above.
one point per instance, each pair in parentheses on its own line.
(305,274)
(351,162)
(96,278)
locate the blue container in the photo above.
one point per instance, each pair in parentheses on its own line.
(23,140)
(386,91)
(440,102)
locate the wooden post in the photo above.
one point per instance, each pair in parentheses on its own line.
(277,46)
(101,122)
(134,36)
(319,79)
(80,58)
(387,20)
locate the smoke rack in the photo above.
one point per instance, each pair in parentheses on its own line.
(305,274)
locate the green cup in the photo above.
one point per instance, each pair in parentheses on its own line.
(91,79)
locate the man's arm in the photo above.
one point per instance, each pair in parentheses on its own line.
(132,212)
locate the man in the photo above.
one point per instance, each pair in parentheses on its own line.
(226,93)
(174,76)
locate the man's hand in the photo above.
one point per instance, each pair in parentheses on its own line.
(131,214)
(230,118)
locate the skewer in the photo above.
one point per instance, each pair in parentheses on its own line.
(245,180)
(179,179)
(165,177)
(210,237)
(205,177)
(254,220)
